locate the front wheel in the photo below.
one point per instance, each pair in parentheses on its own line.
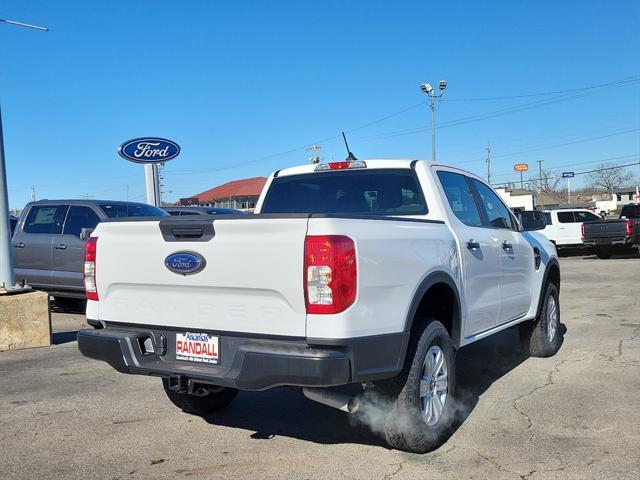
(541,337)
(209,400)
(422,407)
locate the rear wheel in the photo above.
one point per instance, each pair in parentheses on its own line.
(603,252)
(421,396)
(210,398)
(541,337)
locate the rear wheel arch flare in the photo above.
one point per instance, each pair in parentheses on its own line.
(447,308)
(551,275)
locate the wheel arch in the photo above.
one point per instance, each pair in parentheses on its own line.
(442,286)
(551,274)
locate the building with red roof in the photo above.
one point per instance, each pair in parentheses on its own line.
(240,194)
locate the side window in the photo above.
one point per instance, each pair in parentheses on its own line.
(586,217)
(460,198)
(547,217)
(498,214)
(45,219)
(565,217)
(182,213)
(79,218)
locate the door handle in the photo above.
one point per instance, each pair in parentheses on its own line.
(473,245)
(507,246)
(62,246)
(19,245)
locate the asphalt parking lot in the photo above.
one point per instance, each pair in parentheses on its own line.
(573,416)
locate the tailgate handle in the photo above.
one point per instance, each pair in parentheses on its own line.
(187,232)
(183,230)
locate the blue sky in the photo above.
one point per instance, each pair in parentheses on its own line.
(243,87)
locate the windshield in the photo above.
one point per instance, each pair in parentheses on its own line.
(363,192)
(118,210)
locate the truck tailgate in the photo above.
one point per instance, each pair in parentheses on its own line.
(252,280)
(605,229)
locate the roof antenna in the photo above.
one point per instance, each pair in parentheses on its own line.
(350,156)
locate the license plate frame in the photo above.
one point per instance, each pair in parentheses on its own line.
(197,347)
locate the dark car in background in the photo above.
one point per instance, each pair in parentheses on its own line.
(617,235)
(49,239)
(198,210)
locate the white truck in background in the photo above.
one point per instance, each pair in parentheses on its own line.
(354,272)
(564,226)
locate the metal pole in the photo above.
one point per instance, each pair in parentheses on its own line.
(569,190)
(488,163)
(7,279)
(541,194)
(521,181)
(432,102)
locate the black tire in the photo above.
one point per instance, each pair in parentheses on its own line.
(217,399)
(405,427)
(603,252)
(535,335)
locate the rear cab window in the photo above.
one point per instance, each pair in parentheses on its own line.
(630,211)
(45,219)
(376,192)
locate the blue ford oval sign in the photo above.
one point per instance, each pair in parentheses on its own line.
(185,263)
(149,150)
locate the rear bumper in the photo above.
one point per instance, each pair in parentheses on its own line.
(251,363)
(608,241)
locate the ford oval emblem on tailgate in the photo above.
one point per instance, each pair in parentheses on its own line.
(185,263)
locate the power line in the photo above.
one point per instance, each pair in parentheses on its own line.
(530,179)
(546,147)
(555,92)
(452,123)
(574,164)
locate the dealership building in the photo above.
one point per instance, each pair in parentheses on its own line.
(240,194)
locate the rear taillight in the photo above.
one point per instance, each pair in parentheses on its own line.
(330,275)
(90,268)
(629,227)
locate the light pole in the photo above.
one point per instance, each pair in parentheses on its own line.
(7,278)
(433,96)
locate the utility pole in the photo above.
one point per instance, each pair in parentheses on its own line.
(430,92)
(7,277)
(541,194)
(33,193)
(488,163)
(315,158)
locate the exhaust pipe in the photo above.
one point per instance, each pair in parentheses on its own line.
(338,400)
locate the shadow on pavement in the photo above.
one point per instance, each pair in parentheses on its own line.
(284,411)
(64,337)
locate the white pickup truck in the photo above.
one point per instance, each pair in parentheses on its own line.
(369,273)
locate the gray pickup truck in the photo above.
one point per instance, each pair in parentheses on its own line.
(49,239)
(621,234)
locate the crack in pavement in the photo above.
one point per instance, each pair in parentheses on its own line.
(400,466)
(635,334)
(548,382)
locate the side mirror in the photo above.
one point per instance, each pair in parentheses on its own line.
(85,233)
(532,220)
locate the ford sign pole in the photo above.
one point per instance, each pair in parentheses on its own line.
(7,278)
(150,151)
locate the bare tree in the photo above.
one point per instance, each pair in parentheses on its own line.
(608,176)
(551,183)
